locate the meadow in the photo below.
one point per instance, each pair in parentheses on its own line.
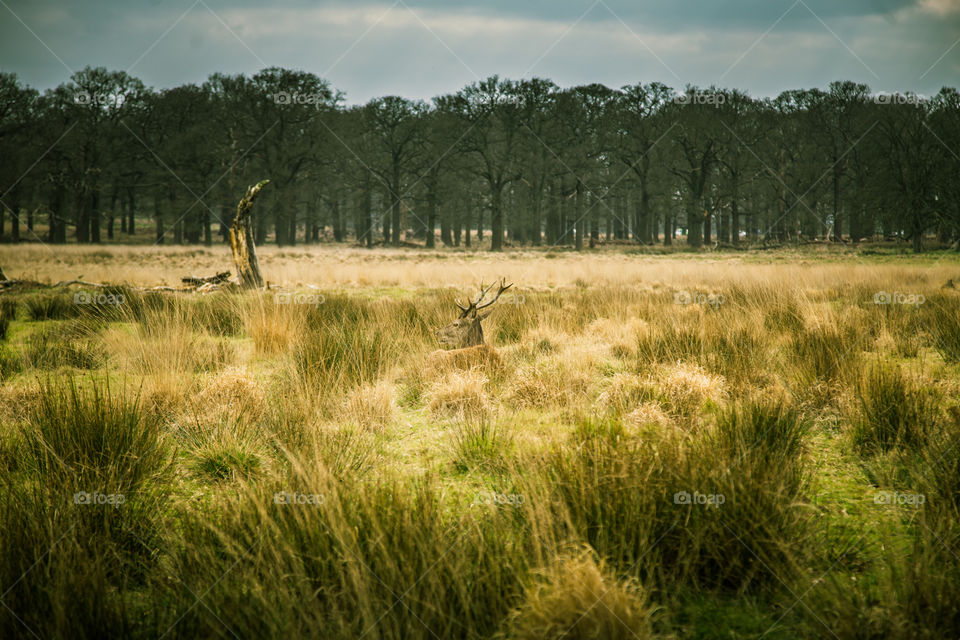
(677,445)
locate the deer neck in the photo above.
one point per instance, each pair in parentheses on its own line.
(474,335)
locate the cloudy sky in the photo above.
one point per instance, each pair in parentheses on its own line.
(423,48)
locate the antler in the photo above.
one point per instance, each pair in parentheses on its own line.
(503,287)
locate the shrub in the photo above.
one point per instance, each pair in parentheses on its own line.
(892,411)
(52,347)
(461,395)
(823,354)
(57,306)
(754,535)
(479,444)
(8,313)
(80,515)
(579,597)
(944,328)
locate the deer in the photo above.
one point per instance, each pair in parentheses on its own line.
(462,339)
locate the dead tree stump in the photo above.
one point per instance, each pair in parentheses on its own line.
(241,241)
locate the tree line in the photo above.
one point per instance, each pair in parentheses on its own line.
(519,162)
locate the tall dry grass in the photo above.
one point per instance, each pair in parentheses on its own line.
(651,438)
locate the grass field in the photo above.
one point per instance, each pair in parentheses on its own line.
(677,445)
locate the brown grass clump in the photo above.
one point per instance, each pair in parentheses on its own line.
(481,356)
(625,391)
(274,328)
(619,334)
(370,407)
(461,395)
(558,379)
(648,413)
(685,389)
(233,391)
(577,597)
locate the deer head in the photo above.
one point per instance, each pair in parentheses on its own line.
(466,331)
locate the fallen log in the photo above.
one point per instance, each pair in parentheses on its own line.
(195,281)
(82,283)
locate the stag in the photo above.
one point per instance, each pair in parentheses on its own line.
(463,338)
(466,330)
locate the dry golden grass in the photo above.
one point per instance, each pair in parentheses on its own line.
(332,266)
(578,598)
(601,395)
(371,407)
(481,356)
(461,395)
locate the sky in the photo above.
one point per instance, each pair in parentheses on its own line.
(425,48)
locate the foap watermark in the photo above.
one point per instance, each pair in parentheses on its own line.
(299,298)
(701,97)
(900,98)
(86,497)
(516,299)
(294,97)
(486,99)
(500,499)
(293,497)
(87,297)
(707,499)
(110,99)
(912,299)
(893,497)
(686,297)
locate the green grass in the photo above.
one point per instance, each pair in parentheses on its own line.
(229,425)
(893,411)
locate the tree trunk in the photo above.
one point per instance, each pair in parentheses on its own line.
(242,241)
(431,210)
(123,211)
(95,216)
(446,236)
(83,217)
(643,219)
(579,223)
(536,223)
(367,212)
(594,222)
(112,217)
(735,212)
(694,223)
(335,213)
(158,217)
(15,221)
(395,205)
(292,224)
(496,221)
(207,232)
(58,221)
(837,233)
(132,210)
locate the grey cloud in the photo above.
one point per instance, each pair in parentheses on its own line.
(696,41)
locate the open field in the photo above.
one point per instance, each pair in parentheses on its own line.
(679,445)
